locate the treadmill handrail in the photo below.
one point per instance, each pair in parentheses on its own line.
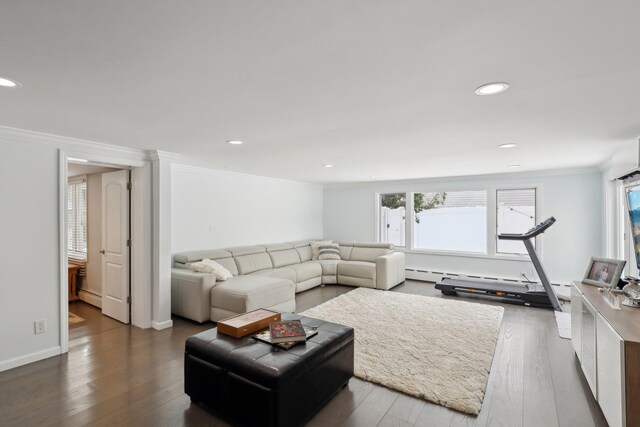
(538,229)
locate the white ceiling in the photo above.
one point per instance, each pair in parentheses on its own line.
(78,169)
(382,88)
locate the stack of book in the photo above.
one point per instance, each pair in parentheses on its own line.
(286,334)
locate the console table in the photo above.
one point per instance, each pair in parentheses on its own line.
(607,343)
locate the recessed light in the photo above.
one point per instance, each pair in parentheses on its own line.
(509,145)
(373,176)
(492,88)
(73,159)
(9,83)
(514,166)
(234,142)
(328,165)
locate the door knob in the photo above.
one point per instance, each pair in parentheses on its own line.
(102,252)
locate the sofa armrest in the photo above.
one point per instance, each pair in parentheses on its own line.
(191,294)
(390,270)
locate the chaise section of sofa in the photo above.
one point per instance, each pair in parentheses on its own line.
(269,276)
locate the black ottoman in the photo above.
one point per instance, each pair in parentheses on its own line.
(248,382)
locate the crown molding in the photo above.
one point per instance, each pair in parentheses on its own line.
(74,145)
(163,155)
(471,178)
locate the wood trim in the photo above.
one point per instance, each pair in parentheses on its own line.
(632,382)
(90,298)
(64,273)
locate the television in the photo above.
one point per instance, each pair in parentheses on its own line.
(633,207)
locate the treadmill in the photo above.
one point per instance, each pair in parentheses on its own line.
(531,294)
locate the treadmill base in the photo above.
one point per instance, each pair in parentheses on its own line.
(498,291)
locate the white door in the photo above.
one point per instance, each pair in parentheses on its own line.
(115,251)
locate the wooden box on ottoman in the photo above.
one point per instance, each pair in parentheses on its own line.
(248,382)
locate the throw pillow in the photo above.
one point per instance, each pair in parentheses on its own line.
(330,251)
(315,244)
(211,267)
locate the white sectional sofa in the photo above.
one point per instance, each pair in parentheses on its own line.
(269,276)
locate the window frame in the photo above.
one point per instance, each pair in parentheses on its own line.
(445,251)
(492,226)
(378,207)
(74,253)
(536,218)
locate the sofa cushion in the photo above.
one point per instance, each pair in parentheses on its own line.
(382,245)
(329,251)
(345,251)
(315,247)
(365,270)
(277,246)
(367,254)
(194,256)
(305,253)
(254,262)
(306,270)
(285,257)
(229,264)
(210,266)
(283,273)
(301,243)
(329,266)
(245,250)
(245,293)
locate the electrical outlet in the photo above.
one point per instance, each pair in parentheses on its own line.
(40,326)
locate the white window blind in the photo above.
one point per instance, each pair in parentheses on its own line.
(77,219)
(516,213)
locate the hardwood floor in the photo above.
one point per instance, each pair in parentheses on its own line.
(119,375)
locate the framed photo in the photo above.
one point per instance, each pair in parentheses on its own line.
(603,272)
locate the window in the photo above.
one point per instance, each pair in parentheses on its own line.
(77,219)
(516,213)
(392,223)
(451,221)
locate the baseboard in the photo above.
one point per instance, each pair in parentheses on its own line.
(161,325)
(29,358)
(90,298)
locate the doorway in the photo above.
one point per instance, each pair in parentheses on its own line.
(98,227)
(139,218)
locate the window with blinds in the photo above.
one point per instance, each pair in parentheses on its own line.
(515,213)
(77,219)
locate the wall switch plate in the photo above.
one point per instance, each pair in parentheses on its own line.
(40,326)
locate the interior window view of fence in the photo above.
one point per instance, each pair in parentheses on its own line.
(457,221)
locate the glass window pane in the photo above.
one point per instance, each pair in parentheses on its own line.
(451,221)
(392,218)
(516,213)
(77,220)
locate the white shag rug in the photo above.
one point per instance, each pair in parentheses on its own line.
(563,320)
(436,349)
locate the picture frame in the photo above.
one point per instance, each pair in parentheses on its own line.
(603,272)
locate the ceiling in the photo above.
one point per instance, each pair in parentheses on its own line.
(380,89)
(78,169)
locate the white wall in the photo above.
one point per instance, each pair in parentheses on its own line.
(574,198)
(29,251)
(216,209)
(30,239)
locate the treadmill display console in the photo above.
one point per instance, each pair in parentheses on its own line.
(533,232)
